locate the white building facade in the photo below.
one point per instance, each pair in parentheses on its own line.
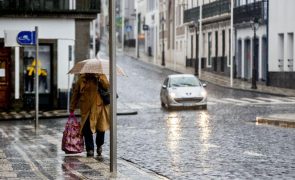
(250,16)
(281,46)
(208,36)
(62,42)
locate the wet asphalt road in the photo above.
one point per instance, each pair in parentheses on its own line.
(222,142)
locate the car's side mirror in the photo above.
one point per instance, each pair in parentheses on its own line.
(204,84)
(164,87)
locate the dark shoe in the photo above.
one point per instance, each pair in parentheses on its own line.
(90,153)
(99,151)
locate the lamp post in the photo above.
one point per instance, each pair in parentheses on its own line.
(194,26)
(163,43)
(255,26)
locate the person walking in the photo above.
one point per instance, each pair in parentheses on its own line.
(94,113)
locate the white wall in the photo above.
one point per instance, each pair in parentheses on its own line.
(281,21)
(248,33)
(61,29)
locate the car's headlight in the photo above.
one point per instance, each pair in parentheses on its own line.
(172,95)
(204,93)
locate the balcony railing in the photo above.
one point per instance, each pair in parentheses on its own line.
(47,6)
(216,8)
(192,14)
(248,12)
(209,10)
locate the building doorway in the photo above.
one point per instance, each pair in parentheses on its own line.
(5,82)
(247,59)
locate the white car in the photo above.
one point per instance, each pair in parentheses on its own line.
(183,90)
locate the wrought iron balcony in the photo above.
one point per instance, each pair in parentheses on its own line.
(209,10)
(248,12)
(192,14)
(216,8)
(42,7)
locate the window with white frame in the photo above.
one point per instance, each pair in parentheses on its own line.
(151,5)
(178,15)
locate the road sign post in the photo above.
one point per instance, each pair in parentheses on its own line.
(35,38)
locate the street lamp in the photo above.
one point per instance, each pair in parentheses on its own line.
(255,26)
(163,44)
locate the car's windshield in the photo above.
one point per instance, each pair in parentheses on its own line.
(184,81)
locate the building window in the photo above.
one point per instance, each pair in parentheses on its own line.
(209,48)
(151,5)
(178,15)
(290,52)
(281,52)
(216,43)
(180,48)
(223,43)
(44,71)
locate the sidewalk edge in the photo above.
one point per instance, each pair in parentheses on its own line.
(282,122)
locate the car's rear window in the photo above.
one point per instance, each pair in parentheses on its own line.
(183,82)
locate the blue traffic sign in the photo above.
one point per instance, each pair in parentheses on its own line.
(26,38)
(128,28)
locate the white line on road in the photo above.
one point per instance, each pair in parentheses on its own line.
(214,100)
(236,100)
(285,99)
(269,99)
(253,100)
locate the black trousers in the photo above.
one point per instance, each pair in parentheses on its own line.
(88,136)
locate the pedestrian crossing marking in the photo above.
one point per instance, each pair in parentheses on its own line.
(252,100)
(234,100)
(288,99)
(214,100)
(243,101)
(269,99)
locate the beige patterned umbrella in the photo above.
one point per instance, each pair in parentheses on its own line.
(99,66)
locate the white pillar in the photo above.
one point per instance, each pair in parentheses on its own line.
(94,39)
(123,23)
(136,29)
(155,43)
(16,69)
(243,58)
(231,44)
(200,40)
(260,59)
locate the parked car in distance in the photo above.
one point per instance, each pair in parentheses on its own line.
(183,90)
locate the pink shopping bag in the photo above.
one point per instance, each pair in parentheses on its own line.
(72,140)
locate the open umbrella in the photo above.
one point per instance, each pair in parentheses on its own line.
(97,66)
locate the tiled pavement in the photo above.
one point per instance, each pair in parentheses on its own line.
(22,115)
(27,154)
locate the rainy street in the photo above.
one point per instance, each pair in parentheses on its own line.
(222,142)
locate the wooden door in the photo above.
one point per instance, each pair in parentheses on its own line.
(4,77)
